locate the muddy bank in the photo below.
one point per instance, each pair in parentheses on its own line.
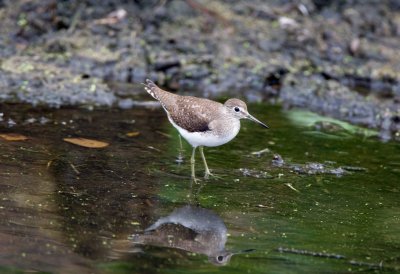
(336,58)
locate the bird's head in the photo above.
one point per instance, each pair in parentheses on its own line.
(238,109)
(221,258)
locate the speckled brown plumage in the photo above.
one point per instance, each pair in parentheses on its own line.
(191,113)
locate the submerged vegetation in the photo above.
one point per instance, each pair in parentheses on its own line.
(299,201)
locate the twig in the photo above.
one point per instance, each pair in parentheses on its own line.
(74,168)
(211,13)
(292,187)
(310,253)
(75,19)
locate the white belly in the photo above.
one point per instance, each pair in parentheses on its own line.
(208,138)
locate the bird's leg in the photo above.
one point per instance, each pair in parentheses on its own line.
(194,195)
(192,165)
(208,173)
(179,160)
(180,143)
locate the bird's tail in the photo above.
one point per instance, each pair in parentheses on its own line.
(164,97)
(152,89)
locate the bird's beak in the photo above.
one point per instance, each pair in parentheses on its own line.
(244,251)
(252,118)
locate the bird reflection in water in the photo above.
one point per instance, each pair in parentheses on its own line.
(193,229)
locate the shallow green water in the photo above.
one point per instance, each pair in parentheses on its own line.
(66,208)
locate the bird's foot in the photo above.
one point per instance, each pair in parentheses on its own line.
(208,174)
(195,180)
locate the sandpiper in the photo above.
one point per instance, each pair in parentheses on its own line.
(200,121)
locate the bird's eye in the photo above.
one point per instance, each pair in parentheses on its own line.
(237,109)
(220,258)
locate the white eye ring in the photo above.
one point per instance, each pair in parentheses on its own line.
(237,109)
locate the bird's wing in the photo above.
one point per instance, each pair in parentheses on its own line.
(193,114)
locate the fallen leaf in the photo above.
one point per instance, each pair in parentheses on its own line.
(13,137)
(133,134)
(83,142)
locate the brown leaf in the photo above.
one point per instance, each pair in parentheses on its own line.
(13,137)
(133,134)
(83,142)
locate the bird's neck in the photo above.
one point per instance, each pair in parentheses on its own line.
(230,127)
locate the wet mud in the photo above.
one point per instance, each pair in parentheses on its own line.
(335,58)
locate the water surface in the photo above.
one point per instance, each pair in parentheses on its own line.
(66,208)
